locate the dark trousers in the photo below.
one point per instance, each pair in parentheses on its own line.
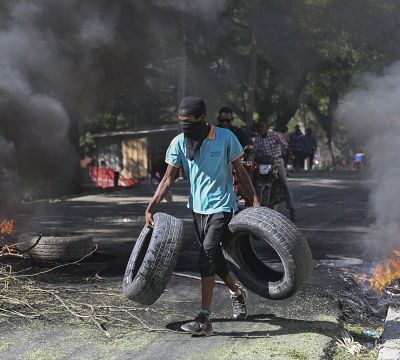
(211,231)
(311,157)
(298,160)
(282,173)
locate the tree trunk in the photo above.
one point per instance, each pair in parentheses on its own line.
(326,121)
(182,66)
(330,147)
(333,102)
(252,80)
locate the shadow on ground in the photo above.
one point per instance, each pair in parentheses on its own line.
(287,326)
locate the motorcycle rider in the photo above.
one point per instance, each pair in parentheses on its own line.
(271,143)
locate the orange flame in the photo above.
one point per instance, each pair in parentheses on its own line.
(384,274)
(7,226)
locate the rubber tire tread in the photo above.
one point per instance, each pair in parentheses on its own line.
(284,237)
(147,276)
(58,248)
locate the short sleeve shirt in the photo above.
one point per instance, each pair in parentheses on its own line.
(210,172)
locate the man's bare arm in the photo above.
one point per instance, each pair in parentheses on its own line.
(245,181)
(162,189)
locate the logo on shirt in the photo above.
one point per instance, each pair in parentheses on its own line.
(214,154)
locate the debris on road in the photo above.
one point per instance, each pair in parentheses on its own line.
(371,333)
(360,302)
(27,294)
(348,344)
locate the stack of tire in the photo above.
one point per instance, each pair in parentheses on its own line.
(156,251)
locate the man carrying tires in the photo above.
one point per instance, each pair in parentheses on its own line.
(206,153)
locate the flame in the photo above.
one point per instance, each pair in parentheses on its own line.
(7,227)
(384,274)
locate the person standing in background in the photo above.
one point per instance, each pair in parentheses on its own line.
(309,147)
(296,144)
(225,118)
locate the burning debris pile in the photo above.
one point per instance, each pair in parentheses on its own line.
(7,241)
(386,276)
(7,227)
(367,297)
(6,230)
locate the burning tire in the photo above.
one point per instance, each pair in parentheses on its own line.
(57,247)
(268,226)
(153,259)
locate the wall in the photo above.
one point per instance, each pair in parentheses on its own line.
(109,153)
(135,158)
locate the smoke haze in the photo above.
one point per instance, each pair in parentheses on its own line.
(44,65)
(59,60)
(372,113)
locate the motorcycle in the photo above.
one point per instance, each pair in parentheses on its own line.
(265,178)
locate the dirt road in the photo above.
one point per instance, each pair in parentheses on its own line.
(332,213)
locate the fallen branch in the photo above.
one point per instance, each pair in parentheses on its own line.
(195,277)
(23,296)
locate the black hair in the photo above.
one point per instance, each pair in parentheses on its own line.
(225,109)
(192,105)
(260,124)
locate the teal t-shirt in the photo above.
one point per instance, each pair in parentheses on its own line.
(210,172)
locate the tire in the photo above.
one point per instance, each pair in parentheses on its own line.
(57,247)
(153,259)
(283,236)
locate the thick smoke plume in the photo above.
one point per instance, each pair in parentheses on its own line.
(58,61)
(372,113)
(45,72)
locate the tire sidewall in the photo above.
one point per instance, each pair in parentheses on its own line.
(295,272)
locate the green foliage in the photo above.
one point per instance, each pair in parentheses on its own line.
(259,57)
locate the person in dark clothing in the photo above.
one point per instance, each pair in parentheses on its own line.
(309,147)
(225,118)
(296,144)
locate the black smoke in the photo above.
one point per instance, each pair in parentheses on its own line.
(46,87)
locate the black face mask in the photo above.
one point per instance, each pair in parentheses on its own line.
(195,133)
(194,130)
